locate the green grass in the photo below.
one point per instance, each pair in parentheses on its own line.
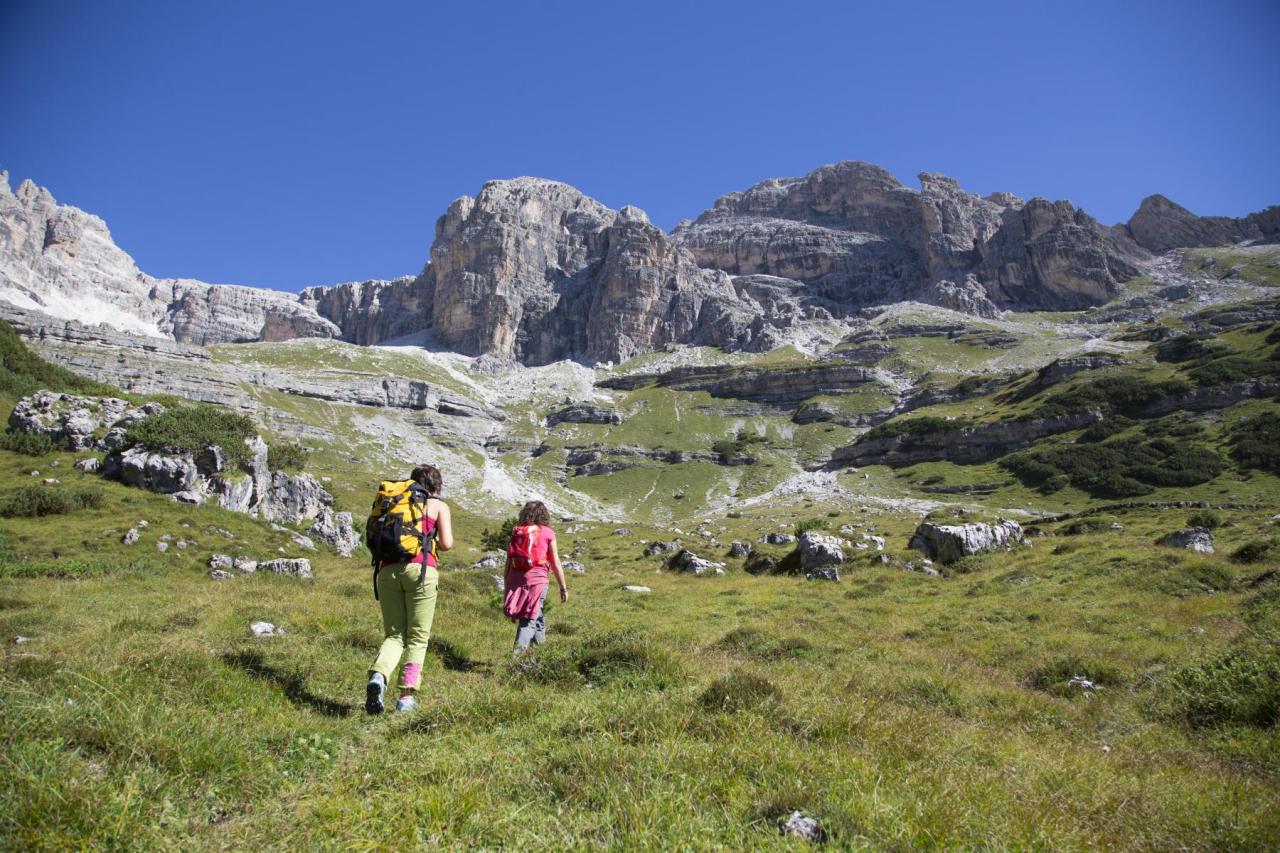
(1258,264)
(901,711)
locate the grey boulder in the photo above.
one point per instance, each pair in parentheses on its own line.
(947,543)
(1198,539)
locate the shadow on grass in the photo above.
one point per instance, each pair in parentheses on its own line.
(453,657)
(293,685)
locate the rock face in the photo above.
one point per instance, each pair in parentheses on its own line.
(1160,225)
(584,413)
(947,543)
(856,237)
(964,444)
(535,271)
(1198,539)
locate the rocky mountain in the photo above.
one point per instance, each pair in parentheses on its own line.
(855,236)
(532,271)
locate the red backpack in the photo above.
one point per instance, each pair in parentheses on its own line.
(526,549)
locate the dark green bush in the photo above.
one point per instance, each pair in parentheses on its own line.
(1084,525)
(286,456)
(1128,394)
(190,429)
(1255,442)
(739,691)
(23,372)
(730,448)
(38,500)
(1253,552)
(909,427)
(1231,369)
(1055,483)
(807,524)
(1190,347)
(1104,429)
(1204,518)
(498,540)
(1118,468)
(1241,687)
(28,443)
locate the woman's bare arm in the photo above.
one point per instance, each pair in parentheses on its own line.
(444,528)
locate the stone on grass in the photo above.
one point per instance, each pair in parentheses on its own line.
(162,547)
(500,582)
(658,548)
(739,549)
(265,629)
(51,481)
(298,567)
(337,530)
(491,560)
(947,543)
(924,567)
(630,588)
(575,567)
(818,550)
(131,536)
(1198,539)
(690,563)
(18,639)
(244,565)
(220,575)
(143,523)
(302,541)
(220,561)
(826,573)
(622,531)
(800,825)
(777,538)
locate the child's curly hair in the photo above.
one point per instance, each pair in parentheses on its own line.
(535,512)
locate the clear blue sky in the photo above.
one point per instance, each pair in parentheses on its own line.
(281,144)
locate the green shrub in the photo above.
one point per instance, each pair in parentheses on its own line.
(1128,394)
(1241,686)
(1084,525)
(498,540)
(1253,552)
(739,691)
(1055,483)
(1190,347)
(730,448)
(1231,369)
(911,427)
(805,525)
(23,372)
(38,500)
(286,456)
(28,443)
(1204,518)
(1104,429)
(1119,468)
(190,429)
(79,568)
(1255,442)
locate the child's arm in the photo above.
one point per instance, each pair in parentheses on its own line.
(559,572)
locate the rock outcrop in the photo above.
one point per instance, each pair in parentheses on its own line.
(79,423)
(947,543)
(1159,225)
(856,236)
(1198,539)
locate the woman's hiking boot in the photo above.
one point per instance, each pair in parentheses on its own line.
(373,693)
(405,704)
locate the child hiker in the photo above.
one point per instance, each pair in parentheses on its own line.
(407,593)
(531,551)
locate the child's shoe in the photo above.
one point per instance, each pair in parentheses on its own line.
(405,704)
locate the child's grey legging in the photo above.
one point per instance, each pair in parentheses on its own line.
(533,630)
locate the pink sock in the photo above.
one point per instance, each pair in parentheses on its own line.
(412,674)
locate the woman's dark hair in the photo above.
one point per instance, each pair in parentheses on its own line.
(428,476)
(534,512)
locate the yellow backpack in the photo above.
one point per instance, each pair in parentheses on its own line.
(393,532)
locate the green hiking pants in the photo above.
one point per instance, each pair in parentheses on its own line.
(407,610)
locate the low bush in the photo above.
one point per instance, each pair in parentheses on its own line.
(1084,525)
(1255,442)
(190,429)
(1253,552)
(1190,347)
(739,691)
(757,644)
(1129,394)
(286,456)
(38,500)
(809,524)
(23,372)
(497,540)
(1232,369)
(1055,483)
(910,427)
(1118,468)
(1204,518)
(1238,687)
(27,443)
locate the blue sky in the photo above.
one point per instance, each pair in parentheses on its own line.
(281,144)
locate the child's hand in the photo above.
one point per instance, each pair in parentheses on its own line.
(564,594)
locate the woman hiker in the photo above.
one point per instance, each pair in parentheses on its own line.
(532,550)
(407,593)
